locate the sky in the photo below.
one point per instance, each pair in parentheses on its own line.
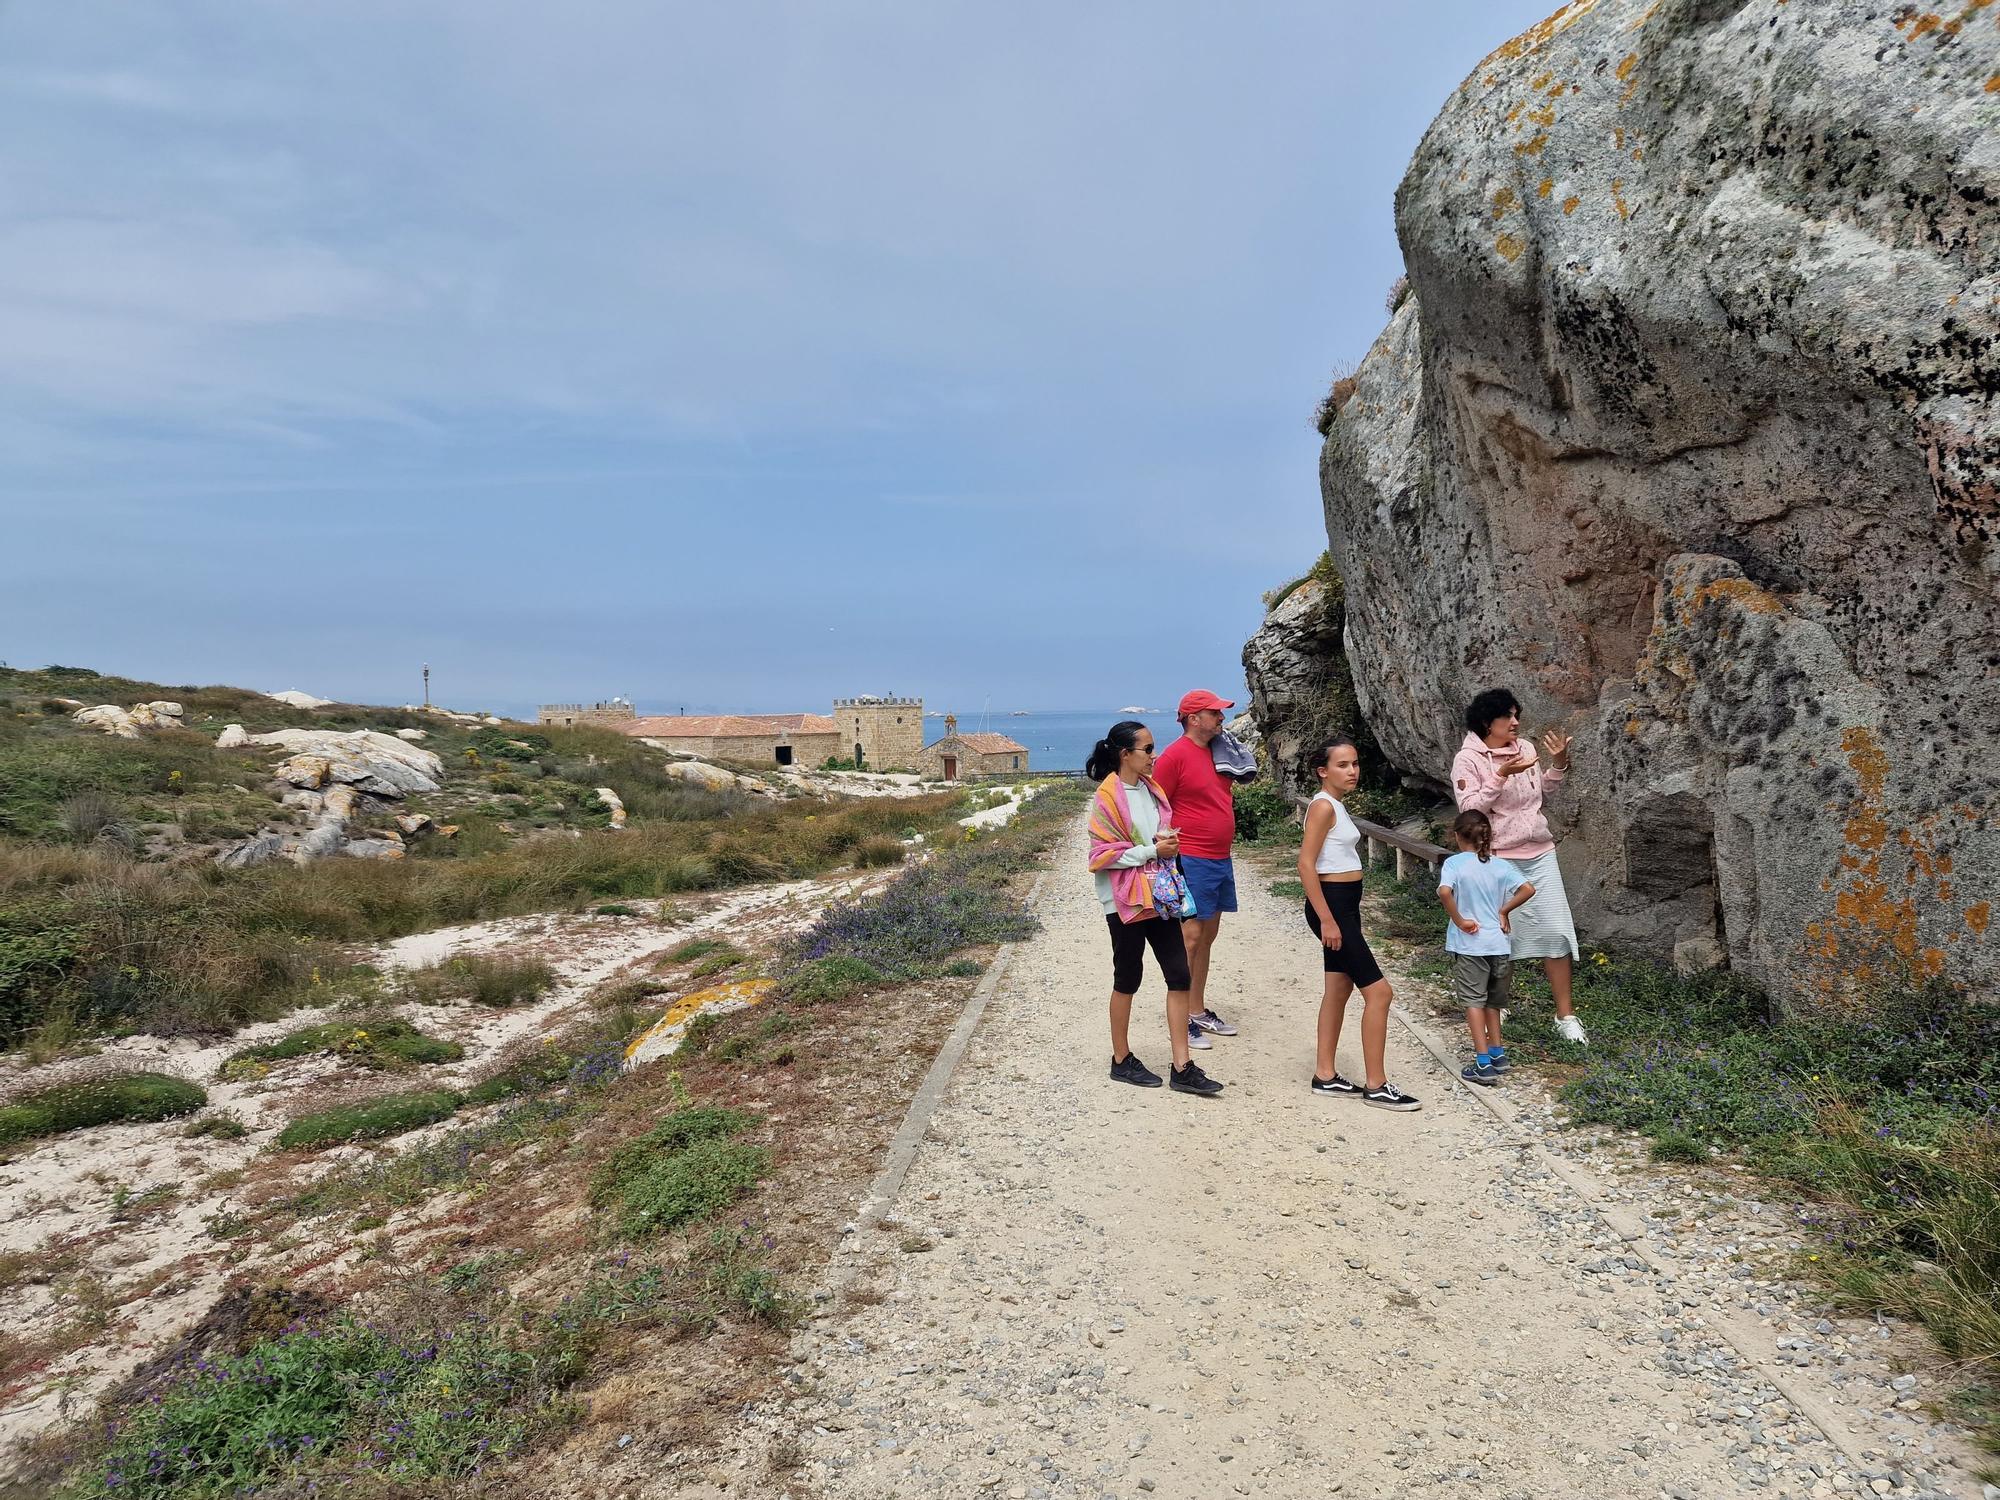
(720,356)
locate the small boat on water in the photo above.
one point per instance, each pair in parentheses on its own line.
(1019,713)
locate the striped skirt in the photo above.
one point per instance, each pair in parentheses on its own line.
(1543,928)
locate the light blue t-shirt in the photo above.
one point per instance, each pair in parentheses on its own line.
(1480,891)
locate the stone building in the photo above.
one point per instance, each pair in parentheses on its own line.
(747,739)
(613,715)
(881,734)
(959,756)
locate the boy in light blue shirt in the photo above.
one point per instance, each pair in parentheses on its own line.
(1478,891)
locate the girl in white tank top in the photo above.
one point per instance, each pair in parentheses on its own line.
(1340,854)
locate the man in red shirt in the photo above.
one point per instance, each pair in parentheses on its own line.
(1205,814)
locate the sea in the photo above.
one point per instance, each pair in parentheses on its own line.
(1057,739)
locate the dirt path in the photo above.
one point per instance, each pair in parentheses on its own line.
(1094,1290)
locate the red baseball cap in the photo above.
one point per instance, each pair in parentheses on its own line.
(1200,698)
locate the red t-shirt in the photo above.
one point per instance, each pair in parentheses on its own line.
(1204,809)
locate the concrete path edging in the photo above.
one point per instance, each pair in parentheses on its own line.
(902,1149)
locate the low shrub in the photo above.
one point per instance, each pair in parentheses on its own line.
(105,1099)
(615,909)
(683,1169)
(716,963)
(383,1042)
(390,1114)
(820,980)
(484,979)
(876,853)
(693,949)
(218,1127)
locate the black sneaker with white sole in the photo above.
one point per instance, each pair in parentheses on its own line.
(1390,1097)
(1128,1069)
(1191,1080)
(1336,1087)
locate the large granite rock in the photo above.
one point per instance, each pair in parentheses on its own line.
(1690,434)
(366,759)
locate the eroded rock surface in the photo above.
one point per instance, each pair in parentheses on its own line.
(1690,433)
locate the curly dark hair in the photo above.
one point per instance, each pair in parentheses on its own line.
(1494,703)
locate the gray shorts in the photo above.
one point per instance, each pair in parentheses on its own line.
(1482,979)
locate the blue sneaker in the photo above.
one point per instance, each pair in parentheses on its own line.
(1501,1065)
(1479,1073)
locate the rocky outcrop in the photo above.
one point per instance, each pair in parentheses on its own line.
(298,699)
(126,723)
(231,738)
(365,759)
(613,804)
(1690,434)
(334,775)
(1298,682)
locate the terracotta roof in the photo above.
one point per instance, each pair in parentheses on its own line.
(988,744)
(725,726)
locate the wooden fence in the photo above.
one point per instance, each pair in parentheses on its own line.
(1377,841)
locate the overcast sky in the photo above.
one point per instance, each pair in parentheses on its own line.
(729,356)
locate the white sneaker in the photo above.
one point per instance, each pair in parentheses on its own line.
(1197,1038)
(1570,1029)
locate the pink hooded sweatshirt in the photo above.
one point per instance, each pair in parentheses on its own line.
(1512,803)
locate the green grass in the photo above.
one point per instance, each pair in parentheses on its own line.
(382,1042)
(695,948)
(683,1169)
(1289,890)
(716,963)
(875,853)
(391,1114)
(110,1099)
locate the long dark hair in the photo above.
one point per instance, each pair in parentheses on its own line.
(1494,703)
(1473,824)
(1108,752)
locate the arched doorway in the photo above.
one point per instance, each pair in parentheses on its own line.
(858,757)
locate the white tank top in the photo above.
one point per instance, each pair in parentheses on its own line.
(1341,853)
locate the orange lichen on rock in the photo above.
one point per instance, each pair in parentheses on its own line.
(1625,68)
(1548,185)
(1978,915)
(1738,591)
(1993,84)
(1510,246)
(1544,117)
(1570,205)
(1538,35)
(1533,147)
(1503,200)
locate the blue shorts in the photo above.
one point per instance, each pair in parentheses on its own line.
(1212,883)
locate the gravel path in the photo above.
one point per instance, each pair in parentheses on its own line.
(1093,1290)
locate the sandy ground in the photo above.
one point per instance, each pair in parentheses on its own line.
(120,1219)
(1095,1290)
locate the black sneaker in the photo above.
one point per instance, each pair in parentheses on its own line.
(1191,1080)
(1336,1087)
(1130,1070)
(1390,1097)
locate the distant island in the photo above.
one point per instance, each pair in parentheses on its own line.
(1134,709)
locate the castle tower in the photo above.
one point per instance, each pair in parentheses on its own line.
(883,734)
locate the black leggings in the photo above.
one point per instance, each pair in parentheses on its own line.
(1128,953)
(1352,957)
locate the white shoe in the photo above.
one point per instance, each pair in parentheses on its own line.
(1197,1038)
(1570,1029)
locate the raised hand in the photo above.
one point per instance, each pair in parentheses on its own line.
(1557,744)
(1527,761)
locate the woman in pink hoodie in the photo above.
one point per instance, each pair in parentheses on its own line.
(1499,773)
